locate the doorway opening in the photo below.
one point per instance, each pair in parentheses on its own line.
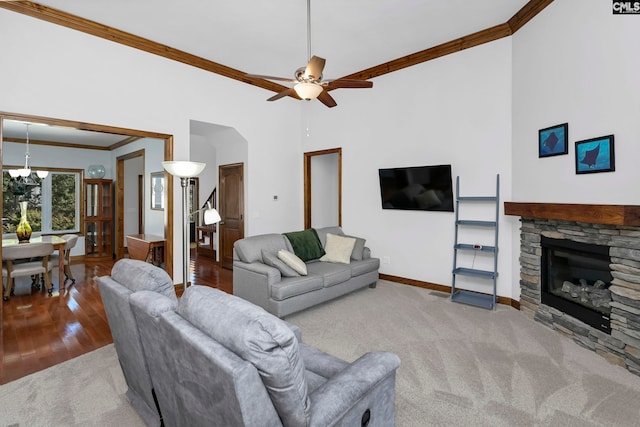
(225,152)
(323,188)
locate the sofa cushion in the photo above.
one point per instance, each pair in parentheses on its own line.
(250,249)
(257,337)
(331,273)
(291,287)
(338,249)
(365,266)
(291,260)
(358,248)
(306,244)
(138,275)
(271,259)
(322,233)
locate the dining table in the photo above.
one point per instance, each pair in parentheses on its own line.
(58,244)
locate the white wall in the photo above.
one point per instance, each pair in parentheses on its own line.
(454,110)
(70,75)
(578,63)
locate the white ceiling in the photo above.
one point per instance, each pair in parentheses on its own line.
(15,129)
(269,37)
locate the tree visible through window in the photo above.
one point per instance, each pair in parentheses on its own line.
(64,190)
(52,203)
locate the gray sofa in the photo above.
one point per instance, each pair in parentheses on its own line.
(266,286)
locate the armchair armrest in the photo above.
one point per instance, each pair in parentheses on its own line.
(296,330)
(252,281)
(368,384)
(272,274)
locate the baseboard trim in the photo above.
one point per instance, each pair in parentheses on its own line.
(441,288)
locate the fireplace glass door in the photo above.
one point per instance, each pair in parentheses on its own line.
(576,278)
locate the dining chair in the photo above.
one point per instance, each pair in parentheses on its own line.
(11,269)
(70,243)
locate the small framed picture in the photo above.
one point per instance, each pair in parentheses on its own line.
(553,141)
(595,155)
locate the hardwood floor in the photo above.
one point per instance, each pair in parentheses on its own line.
(39,331)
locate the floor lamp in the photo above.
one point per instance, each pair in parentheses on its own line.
(186,170)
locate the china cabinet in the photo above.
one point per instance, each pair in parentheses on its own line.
(98,218)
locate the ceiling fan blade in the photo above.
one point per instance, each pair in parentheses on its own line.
(314,68)
(350,84)
(286,92)
(260,76)
(327,99)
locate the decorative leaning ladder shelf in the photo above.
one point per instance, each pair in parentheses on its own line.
(483,300)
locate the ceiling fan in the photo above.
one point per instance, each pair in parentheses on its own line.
(308,80)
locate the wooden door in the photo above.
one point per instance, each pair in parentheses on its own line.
(231,226)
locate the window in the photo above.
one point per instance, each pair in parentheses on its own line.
(53,203)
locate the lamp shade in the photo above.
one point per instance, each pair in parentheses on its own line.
(211,216)
(306,90)
(24,172)
(183,168)
(14,173)
(42,174)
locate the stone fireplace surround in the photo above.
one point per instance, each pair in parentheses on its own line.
(615,226)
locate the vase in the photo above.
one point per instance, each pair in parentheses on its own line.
(23,232)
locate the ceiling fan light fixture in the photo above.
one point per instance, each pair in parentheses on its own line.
(307,90)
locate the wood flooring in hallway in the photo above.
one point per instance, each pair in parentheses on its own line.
(39,331)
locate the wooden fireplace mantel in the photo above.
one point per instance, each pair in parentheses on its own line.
(627,215)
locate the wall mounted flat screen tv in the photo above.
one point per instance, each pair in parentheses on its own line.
(420,188)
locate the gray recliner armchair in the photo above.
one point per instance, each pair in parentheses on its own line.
(218,360)
(127,277)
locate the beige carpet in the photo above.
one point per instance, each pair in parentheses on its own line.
(466,366)
(461,366)
(86,391)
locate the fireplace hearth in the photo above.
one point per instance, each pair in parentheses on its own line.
(603,280)
(575,279)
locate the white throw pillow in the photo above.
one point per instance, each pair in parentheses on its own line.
(338,249)
(293,261)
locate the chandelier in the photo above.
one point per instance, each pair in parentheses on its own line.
(24,173)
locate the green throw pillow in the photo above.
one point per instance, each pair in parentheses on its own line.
(306,244)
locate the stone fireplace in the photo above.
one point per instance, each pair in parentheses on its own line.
(580,274)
